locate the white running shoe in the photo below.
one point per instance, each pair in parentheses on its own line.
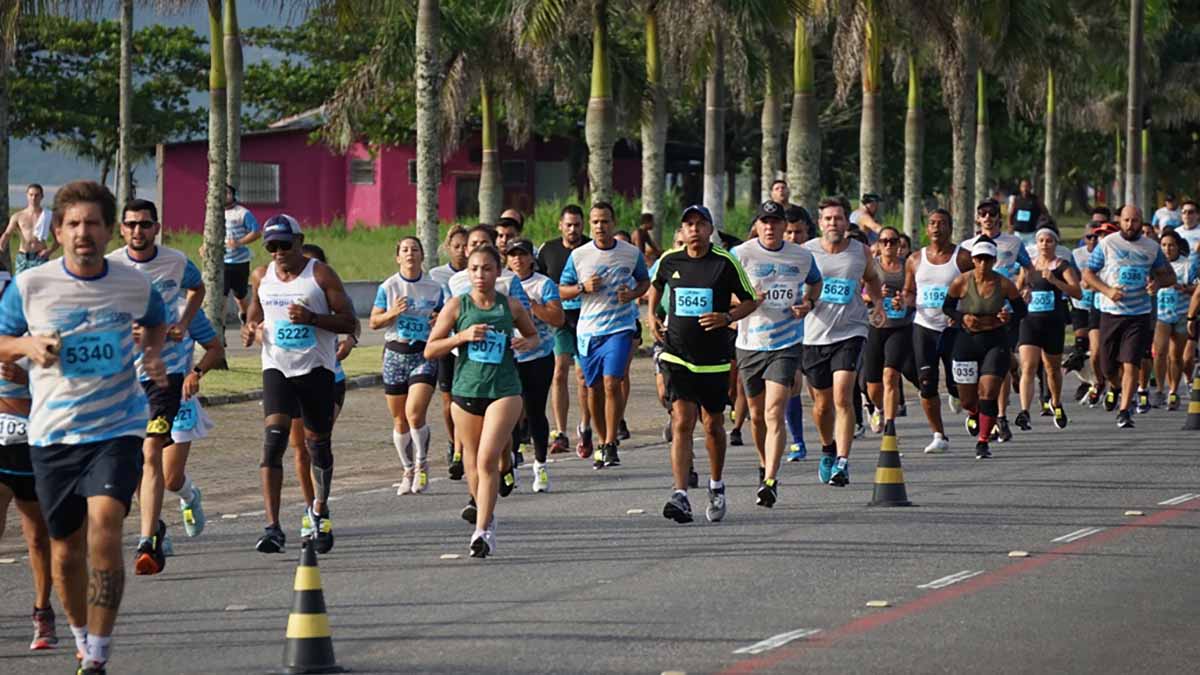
(876,421)
(406,483)
(420,481)
(953,403)
(541,478)
(938,445)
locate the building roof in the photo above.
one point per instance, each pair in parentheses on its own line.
(308,120)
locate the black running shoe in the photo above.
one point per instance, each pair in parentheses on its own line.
(272,540)
(456,466)
(678,508)
(735,437)
(693,479)
(1124,420)
(150,558)
(1081,392)
(1047,411)
(982,451)
(611,458)
(1022,421)
(768,492)
(762,474)
(1060,417)
(508,481)
(622,431)
(1075,361)
(1111,398)
(1093,398)
(1143,402)
(1005,432)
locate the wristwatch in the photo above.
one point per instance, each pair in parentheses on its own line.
(198,372)
(728,318)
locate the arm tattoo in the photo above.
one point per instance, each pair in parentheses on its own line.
(106,587)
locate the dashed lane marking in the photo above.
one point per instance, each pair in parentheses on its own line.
(7,561)
(951,579)
(878,603)
(1135,513)
(1175,501)
(1018,554)
(237,608)
(1077,534)
(776,641)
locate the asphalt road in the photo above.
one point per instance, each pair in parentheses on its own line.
(581,582)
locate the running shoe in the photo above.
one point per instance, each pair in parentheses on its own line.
(972,424)
(902,410)
(583,447)
(518,456)
(1060,417)
(611,458)
(825,468)
(667,434)
(1047,411)
(1143,402)
(953,404)
(44,634)
(406,483)
(1075,360)
(1004,432)
(483,544)
(859,430)
(1124,420)
(938,445)
(1110,400)
(541,478)
(598,458)
(272,540)
(1093,397)
(91,670)
(421,482)
(193,513)
(735,437)
(982,451)
(1172,401)
(876,421)
(768,493)
(508,481)
(456,466)
(797,452)
(150,558)
(840,477)
(623,431)
(693,479)
(715,512)
(560,444)
(1081,392)
(469,512)
(678,508)
(1022,421)
(168,547)
(324,530)
(306,526)
(1160,399)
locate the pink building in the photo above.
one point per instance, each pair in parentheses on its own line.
(283,171)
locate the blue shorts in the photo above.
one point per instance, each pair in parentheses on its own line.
(402,370)
(608,356)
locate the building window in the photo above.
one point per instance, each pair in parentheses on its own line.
(259,183)
(514,172)
(362,171)
(412,172)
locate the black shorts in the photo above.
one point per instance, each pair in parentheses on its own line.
(445,376)
(473,405)
(164,405)
(309,397)
(66,475)
(1044,330)
(1080,318)
(16,472)
(821,361)
(757,368)
(988,351)
(708,390)
(237,279)
(1014,335)
(929,348)
(1093,319)
(1124,339)
(889,348)
(339,394)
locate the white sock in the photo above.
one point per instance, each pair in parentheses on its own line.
(186,493)
(715,484)
(97,650)
(420,441)
(81,636)
(403,445)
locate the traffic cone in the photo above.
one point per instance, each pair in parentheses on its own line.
(889,477)
(309,647)
(1192,423)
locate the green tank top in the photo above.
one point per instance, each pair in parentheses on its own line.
(486,369)
(974,303)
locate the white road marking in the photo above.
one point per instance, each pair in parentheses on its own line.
(951,579)
(1077,534)
(776,641)
(236,608)
(1176,501)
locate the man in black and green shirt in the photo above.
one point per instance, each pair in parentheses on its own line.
(702,281)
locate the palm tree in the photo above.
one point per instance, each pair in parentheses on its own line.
(655,118)
(1133,99)
(983,140)
(213,271)
(958,61)
(870,139)
(1050,191)
(429,157)
(125,112)
(914,150)
(714,130)
(234,77)
(804,132)
(772,134)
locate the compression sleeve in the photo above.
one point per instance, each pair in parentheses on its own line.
(950,308)
(1019,309)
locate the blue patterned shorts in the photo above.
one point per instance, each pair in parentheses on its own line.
(401,370)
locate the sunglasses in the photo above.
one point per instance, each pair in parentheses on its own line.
(1091,236)
(987,212)
(273,246)
(889,241)
(1189,211)
(143,224)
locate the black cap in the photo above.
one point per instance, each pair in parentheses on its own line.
(519,246)
(770,209)
(510,222)
(870,197)
(1168,197)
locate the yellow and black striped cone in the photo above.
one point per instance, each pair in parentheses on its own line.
(1192,423)
(889,476)
(309,647)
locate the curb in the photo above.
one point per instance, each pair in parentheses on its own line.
(360,382)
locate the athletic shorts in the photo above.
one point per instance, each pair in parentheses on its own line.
(1013,335)
(1093,319)
(1177,328)
(708,390)
(889,347)
(1044,330)
(473,405)
(339,394)
(564,342)
(930,348)
(309,397)
(1080,318)
(1124,339)
(237,279)
(756,368)
(164,405)
(27,260)
(445,373)
(66,475)
(979,354)
(608,356)
(16,472)
(821,361)
(401,370)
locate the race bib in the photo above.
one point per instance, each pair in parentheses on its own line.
(693,301)
(1087,301)
(1023,215)
(185,419)
(892,310)
(1168,305)
(778,296)
(412,328)
(1132,277)
(13,429)
(488,350)
(838,291)
(1041,301)
(965,372)
(91,354)
(294,337)
(932,297)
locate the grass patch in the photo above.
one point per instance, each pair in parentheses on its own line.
(245,372)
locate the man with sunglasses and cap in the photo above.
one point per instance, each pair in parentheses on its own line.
(297,309)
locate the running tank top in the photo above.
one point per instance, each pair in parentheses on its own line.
(294,349)
(894,317)
(488,369)
(975,303)
(1043,295)
(933,281)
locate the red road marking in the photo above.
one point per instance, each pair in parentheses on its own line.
(945,595)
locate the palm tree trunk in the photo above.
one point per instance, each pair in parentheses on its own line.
(491,188)
(5,258)
(804,134)
(429,154)
(983,141)
(772,132)
(213,272)
(234,77)
(1118,172)
(601,121)
(654,131)
(870,131)
(962,127)
(714,132)
(1050,189)
(1133,115)
(914,150)
(125,107)
(1147,187)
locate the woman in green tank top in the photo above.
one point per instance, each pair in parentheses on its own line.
(487,390)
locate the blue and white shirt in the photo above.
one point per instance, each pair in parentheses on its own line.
(1128,264)
(172,275)
(542,289)
(91,393)
(778,277)
(239,222)
(1079,257)
(1165,217)
(442,274)
(600,312)
(425,296)
(460,284)
(1011,254)
(1172,304)
(1192,237)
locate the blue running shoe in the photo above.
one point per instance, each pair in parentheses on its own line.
(825,469)
(193,514)
(841,473)
(797,452)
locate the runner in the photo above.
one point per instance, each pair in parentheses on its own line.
(1167,215)
(1119,270)
(406,305)
(1081,307)
(241,230)
(32,224)
(507,230)
(627,384)
(703,279)
(1023,214)
(456,250)
(978,301)
(889,349)
(1190,228)
(302,307)
(769,341)
(178,282)
(866,217)
(74,321)
(834,333)
(1170,330)
(1051,279)
(609,275)
(487,387)
(643,239)
(535,364)
(799,225)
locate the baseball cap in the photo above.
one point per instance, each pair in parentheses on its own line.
(870,197)
(770,209)
(519,246)
(697,208)
(281,227)
(983,247)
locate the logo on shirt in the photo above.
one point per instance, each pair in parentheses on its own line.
(675,275)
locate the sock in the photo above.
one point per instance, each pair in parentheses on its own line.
(794,416)
(143,540)
(830,449)
(81,636)
(420,442)
(716,484)
(186,493)
(985,427)
(403,443)
(97,650)
(681,492)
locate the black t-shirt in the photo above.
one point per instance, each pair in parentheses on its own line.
(698,286)
(1026,213)
(551,259)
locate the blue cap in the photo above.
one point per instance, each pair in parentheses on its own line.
(281,227)
(697,208)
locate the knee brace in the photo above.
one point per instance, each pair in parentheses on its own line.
(989,407)
(927,383)
(321,453)
(274,445)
